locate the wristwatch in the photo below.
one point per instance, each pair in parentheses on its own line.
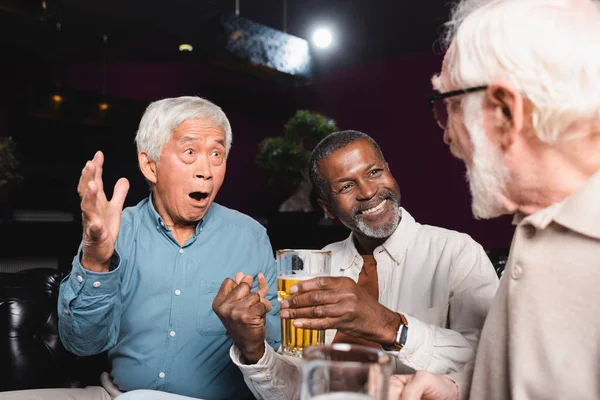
(400,336)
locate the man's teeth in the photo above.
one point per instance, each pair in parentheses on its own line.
(376,208)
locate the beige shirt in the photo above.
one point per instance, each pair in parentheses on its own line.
(441,280)
(541,339)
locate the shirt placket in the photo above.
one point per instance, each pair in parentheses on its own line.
(175,312)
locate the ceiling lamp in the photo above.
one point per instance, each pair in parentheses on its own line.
(322,38)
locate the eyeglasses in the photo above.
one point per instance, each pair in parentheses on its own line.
(439,106)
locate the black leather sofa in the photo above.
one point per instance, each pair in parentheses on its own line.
(31,353)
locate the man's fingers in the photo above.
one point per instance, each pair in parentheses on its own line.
(226,287)
(429,386)
(263,286)
(238,277)
(323,311)
(119,193)
(317,323)
(87,175)
(89,211)
(312,299)
(267,303)
(251,302)
(397,383)
(98,161)
(248,280)
(413,389)
(322,282)
(240,291)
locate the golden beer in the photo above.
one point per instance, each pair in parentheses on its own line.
(295,339)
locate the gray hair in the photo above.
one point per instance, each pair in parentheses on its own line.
(162,117)
(549,50)
(326,147)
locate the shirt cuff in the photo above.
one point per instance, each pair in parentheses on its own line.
(92,283)
(260,370)
(416,352)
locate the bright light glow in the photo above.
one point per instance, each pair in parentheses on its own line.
(103,106)
(185,47)
(57,98)
(322,38)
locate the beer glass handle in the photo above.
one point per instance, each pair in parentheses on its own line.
(311,385)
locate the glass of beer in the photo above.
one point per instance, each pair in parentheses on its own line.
(294,266)
(343,371)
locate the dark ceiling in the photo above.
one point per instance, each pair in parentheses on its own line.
(365,31)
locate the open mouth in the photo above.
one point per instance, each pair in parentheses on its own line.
(374,209)
(198,196)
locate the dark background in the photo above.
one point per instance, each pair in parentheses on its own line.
(373,79)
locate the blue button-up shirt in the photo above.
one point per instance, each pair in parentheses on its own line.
(153,310)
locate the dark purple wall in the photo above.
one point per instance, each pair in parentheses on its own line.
(384,100)
(387,101)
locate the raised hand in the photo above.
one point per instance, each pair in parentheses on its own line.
(243,313)
(339,303)
(423,385)
(100,218)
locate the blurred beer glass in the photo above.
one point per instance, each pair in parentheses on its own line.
(294,266)
(345,371)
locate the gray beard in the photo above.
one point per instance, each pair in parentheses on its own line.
(384,231)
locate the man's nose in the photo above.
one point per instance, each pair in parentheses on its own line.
(366,190)
(447,138)
(203,168)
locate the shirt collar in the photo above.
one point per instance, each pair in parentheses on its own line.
(394,246)
(579,212)
(156,218)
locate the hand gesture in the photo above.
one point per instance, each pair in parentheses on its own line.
(100,218)
(423,385)
(243,313)
(339,303)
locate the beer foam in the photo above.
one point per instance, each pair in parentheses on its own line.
(299,277)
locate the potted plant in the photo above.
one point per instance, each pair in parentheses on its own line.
(285,159)
(9,175)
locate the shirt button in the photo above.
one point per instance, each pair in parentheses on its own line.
(529,231)
(517,271)
(409,357)
(177,292)
(79,278)
(180,251)
(96,284)
(67,311)
(172,333)
(161,375)
(157,227)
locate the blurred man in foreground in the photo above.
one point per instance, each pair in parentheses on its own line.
(519,103)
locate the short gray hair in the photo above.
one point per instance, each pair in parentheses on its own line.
(548,49)
(162,117)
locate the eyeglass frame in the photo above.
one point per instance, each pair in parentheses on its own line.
(437,95)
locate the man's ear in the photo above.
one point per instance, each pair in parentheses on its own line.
(506,113)
(326,208)
(147,166)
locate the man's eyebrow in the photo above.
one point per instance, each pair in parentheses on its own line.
(187,139)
